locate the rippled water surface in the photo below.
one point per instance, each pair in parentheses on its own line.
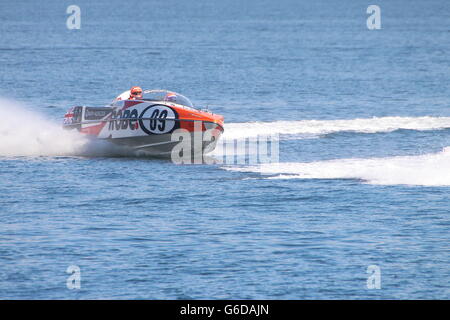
(363,176)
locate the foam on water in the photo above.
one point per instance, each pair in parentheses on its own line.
(422,170)
(321,127)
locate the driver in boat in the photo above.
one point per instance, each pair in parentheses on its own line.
(170,96)
(135,93)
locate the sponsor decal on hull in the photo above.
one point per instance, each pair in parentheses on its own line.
(153,119)
(157,124)
(124,119)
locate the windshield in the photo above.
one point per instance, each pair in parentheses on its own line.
(164,95)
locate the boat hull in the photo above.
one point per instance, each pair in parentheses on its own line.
(163,145)
(155,128)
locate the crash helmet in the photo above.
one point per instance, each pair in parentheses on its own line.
(136,93)
(171,96)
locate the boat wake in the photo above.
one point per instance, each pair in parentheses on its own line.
(27,133)
(423,170)
(316,128)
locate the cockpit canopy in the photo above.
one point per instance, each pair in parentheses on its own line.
(164,95)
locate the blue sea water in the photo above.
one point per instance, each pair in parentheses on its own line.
(363,176)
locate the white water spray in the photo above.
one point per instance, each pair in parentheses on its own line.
(26,133)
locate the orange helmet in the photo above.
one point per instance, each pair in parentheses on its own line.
(136,92)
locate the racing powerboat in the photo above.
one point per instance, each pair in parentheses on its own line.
(151,123)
